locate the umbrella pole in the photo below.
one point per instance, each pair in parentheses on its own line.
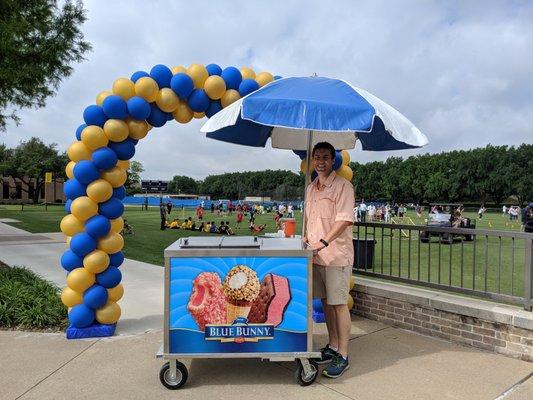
(307,177)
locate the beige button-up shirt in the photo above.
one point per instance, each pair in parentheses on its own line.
(333,201)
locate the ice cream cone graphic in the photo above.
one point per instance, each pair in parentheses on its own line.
(241,288)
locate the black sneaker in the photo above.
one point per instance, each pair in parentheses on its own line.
(327,354)
(337,367)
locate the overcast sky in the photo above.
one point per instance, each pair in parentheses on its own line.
(462,72)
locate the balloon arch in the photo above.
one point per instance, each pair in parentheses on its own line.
(99,159)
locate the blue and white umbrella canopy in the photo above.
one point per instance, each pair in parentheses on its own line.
(287,109)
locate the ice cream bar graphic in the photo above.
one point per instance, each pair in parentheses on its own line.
(274,296)
(207,303)
(241,288)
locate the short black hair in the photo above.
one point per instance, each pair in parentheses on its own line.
(324,145)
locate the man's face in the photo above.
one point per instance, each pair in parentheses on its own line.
(322,161)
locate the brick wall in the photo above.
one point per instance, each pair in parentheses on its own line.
(492,336)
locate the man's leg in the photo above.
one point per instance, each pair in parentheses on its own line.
(343,324)
(331,324)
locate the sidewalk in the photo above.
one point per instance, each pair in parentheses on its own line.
(386,363)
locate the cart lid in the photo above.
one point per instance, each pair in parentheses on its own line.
(221,242)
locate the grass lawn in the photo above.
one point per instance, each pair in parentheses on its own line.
(450,265)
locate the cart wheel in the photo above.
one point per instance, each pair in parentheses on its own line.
(303,378)
(178,381)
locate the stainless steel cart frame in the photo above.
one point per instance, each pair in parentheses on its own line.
(174,374)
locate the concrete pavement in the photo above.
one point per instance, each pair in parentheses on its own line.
(386,363)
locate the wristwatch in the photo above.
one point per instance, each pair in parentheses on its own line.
(324,242)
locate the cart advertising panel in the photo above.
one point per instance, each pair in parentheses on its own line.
(228,305)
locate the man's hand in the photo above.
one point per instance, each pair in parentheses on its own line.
(316,247)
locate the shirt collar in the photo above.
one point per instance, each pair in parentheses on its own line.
(329,180)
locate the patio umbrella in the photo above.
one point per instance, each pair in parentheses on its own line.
(298,112)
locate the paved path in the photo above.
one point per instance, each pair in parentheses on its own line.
(386,363)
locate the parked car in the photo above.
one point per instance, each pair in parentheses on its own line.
(443,215)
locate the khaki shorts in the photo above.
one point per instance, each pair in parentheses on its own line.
(331,283)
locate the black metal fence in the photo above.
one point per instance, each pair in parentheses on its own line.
(484,263)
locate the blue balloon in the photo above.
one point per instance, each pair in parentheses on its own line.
(232,76)
(124,150)
(81,316)
(138,75)
(85,171)
(115,107)
(111,277)
(162,75)
(95,297)
(157,117)
(248,86)
(338,161)
(112,208)
(116,259)
(276,77)
(67,206)
(213,69)
(300,153)
(79,130)
(104,158)
(314,175)
(94,115)
(82,244)
(198,100)
(138,108)
(318,306)
(182,84)
(97,226)
(70,260)
(214,107)
(74,189)
(119,192)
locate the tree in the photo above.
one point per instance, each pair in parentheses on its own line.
(28,163)
(38,42)
(133,182)
(183,184)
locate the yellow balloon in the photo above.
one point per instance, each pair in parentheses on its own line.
(199,115)
(263,78)
(123,164)
(167,100)
(352,282)
(111,243)
(116,176)
(117,224)
(79,280)
(70,225)
(215,87)
(199,74)
(350,302)
(116,130)
(124,87)
(149,127)
(229,97)
(102,96)
(303,166)
(183,113)
(345,157)
(84,208)
(70,297)
(116,293)
(178,69)
(67,240)
(346,172)
(108,314)
(69,169)
(99,190)
(138,129)
(77,151)
(247,73)
(146,88)
(96,261)
(94,137)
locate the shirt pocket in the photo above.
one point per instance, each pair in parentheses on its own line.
(326,205)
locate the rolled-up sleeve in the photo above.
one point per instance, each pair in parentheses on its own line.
(345,203)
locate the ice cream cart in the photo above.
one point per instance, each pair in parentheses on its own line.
(237,297)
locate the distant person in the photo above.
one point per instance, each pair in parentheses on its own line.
(230,231)
(290,212)
(222,229)
(169,207)
(362,211)
(481,211)
(213,227)
(239,216)
(212,208)
(277,220)
(504,210)
(256,228)
(164,215)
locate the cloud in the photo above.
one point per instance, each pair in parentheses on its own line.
(461,71)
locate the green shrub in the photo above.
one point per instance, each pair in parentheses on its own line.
(29,302)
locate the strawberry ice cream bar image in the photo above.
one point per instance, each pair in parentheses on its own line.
(272,301)
(207,303)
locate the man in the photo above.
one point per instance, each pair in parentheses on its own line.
(163,213)
(329,215)
(362,211)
